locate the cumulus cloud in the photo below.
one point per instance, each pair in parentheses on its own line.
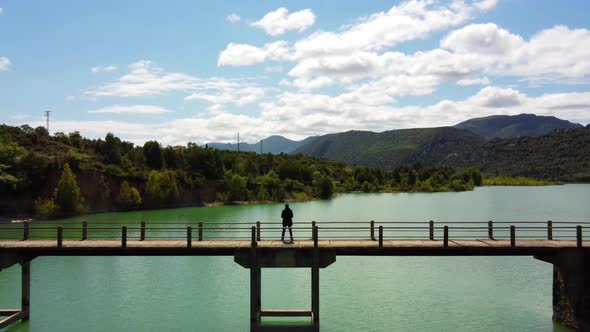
(280,21)
(554,54)
(409,20)
(299,114)
(233,18)
(485,4)
(474,81)
(482,39)
(238,95)
(493,97)
(132,109)
(104,69)
(4,63)
(146,79)
(247,55)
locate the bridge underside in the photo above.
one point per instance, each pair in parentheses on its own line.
(571,285)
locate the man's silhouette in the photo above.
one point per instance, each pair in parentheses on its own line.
(287,216)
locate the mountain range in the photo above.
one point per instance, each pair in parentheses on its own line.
(273,144)
(506,126)
(529,145)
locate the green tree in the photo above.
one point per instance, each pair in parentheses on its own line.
(171,158)
(161,187)
(129,197)
(236,187)
(46,208)
(325,187)
(473,174)
(111,149)
(10,153)
(366,187)
(153,154)
(67,193)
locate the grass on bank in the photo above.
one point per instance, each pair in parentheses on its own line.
(516,181)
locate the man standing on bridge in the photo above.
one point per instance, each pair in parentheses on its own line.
(287,216)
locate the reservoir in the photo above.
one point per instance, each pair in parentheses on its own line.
(357,293)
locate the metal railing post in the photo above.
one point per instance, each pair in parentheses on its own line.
(142,233)
(372,232)
(258,231)
(25,230)
(124,236)
(380,236)
(490,230)
(549,230)
(315,236)
(512,236)
(446,236)
(84,230)
(253,237)
(60,235)
(579,236)
(189,237)
(200,231)
(431,230)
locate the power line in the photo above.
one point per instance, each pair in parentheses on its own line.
(47,116)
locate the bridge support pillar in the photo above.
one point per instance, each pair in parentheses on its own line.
(257,258)
(13,315)
(571,287)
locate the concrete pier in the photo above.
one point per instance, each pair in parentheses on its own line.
(571,288)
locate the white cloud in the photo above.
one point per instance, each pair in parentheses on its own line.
(247,55)
(238,95)
(132,109)
(409,20)
(215,109)
(145,79)
(555,54)
(4,63)
(485,4)
(493,97)
(298,115)
(474,81)
(104,69)
(482,39)
(280,21)
(233,18)
(353,53)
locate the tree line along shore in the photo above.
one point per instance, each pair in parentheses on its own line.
(53,176)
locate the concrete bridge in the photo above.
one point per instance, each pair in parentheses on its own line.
(562,244)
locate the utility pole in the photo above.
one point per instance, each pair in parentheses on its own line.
(47,116)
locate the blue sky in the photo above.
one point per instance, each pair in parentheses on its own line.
(202,71)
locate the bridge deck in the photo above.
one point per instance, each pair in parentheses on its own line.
(228,246)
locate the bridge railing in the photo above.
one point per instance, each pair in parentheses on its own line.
(271,230)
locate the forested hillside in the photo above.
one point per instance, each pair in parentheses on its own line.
(64,174)
(561,155)
(514,126)
(390,149)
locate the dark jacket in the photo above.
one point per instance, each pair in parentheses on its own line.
(287,216)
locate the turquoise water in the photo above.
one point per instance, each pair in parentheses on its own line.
(357,293)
